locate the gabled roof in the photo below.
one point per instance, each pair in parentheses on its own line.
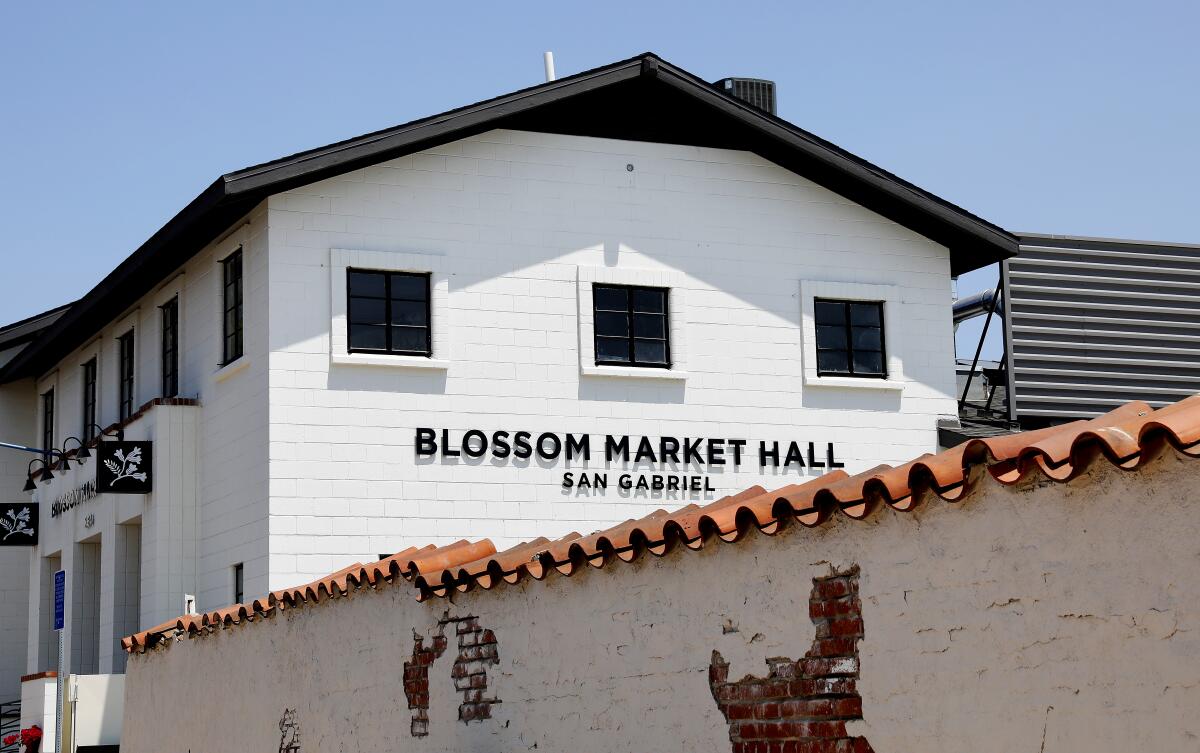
(29,328)
(1127,438)
(643,98)
(16,337)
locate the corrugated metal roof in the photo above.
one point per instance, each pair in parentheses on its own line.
(1094,322)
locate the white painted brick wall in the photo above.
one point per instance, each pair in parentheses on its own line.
(14,597)
(512,215)
(16,412)
(210,505)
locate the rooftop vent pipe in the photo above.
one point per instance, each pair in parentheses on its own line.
(548,59)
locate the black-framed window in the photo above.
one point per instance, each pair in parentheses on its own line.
(89,401)
(125,376)
(239,583)
(170,347)
(850,338)
(632,325)
(47,425)
(388,312)
(231,298)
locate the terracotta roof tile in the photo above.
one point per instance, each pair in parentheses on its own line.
(1125,438)
(447,557)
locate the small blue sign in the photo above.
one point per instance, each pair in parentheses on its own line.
(60,599)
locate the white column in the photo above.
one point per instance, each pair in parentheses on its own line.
(42,652)
(14,622)
(169,525)
(110,564)
(83,621)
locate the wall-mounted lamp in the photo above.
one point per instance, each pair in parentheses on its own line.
(81,454)
(48,453)
(47,475)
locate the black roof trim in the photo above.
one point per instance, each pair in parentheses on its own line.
(973,242)
(30,327)
(987,234)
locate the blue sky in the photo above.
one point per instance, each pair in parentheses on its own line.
(1062,117)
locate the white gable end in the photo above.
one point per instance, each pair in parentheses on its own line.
(514,228)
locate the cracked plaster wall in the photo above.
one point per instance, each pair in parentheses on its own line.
(1046,618)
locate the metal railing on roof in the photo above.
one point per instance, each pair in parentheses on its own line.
(984,304)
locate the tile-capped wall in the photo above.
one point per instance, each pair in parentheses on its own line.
(1034,617)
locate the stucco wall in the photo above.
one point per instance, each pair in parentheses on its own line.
(514,221)
(1042,618)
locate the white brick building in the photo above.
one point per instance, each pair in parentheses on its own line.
(505,236)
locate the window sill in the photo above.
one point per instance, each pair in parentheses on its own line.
(396,362)
(231,368)
(891,385)
(634,372)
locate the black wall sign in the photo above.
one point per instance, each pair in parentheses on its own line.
(19,524)
(124,468)
(677,456)
(686,451)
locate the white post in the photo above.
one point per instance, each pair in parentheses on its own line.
(60,622)
(58,706)
(548,59)
(74,707)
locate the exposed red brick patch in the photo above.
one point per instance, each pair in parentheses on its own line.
(416,678)
(802,706)
(477,650)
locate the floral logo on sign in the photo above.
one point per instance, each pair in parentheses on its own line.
(16,522)
(126,466)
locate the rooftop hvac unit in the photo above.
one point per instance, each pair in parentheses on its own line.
(756,91)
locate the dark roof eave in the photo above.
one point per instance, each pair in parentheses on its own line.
(342,157)
(30,327)
(1000,242)
(969,237)
(972,241)
(104,301)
